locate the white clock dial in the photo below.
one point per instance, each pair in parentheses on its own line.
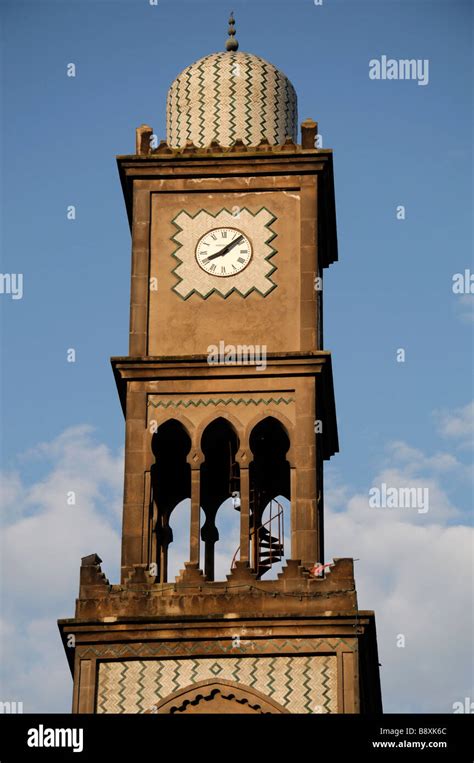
(223,252)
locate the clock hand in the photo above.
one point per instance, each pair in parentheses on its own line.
(225,249)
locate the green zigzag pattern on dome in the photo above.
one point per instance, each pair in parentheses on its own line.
(221,401)
(201,104)
(232,113)
(202,109)
(248,102)
(264,124)
(235,289)
(292,108)
(182,129)
(170,103)
(188,99)
(215,133)
(277,112)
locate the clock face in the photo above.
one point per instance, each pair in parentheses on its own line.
(223,252)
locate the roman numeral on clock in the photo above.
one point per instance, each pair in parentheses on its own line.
(240,259)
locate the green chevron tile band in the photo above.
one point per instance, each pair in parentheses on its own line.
(221,401)
(176,648)
(249,100)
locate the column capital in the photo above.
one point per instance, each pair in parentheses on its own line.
(195,458)
(243,457)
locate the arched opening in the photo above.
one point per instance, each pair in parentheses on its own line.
(269,475)
(170,486)
(228,529)
(220,477)
(178,550)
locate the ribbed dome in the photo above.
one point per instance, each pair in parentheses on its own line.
(230,96)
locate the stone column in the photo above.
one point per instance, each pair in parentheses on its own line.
(136,459)
(195,460)
(304,529)
(139,290)
(242,460)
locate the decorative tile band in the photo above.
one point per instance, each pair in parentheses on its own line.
(213,647)
(221,401)
(305,684)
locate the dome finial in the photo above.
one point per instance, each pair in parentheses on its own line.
(232,44)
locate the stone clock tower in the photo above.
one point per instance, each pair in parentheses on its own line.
(228,400)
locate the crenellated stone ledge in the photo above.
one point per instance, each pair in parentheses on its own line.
(144,135)
(191,593)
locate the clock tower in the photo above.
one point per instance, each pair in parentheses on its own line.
(228,399)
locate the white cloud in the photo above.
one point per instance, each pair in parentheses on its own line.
(414,460)
(415,573)
(457,424)
(42,546)
(11,497)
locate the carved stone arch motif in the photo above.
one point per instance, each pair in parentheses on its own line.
(218,696)
(158,421)
(269,477)
(219,479)
(187,424)
(220,413)
(285,422)
(172,415)
(170,481)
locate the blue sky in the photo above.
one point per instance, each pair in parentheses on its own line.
(395,143)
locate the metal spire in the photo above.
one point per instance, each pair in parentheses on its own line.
(232,44)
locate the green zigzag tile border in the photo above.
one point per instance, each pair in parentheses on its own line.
(325,678)
(221,401)
(211,648)
(306,685)
(214,290)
